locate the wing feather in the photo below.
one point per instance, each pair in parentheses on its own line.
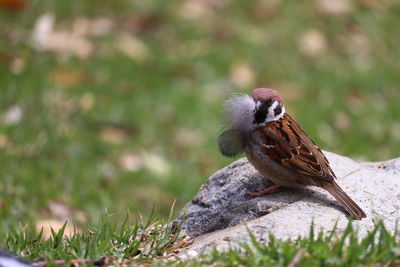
(230,143)
(288,145)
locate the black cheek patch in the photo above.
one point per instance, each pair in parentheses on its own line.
(259,116)
(262,112)
(277,110)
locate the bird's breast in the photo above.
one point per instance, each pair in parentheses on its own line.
(267,167)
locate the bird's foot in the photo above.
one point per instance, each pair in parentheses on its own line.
(263,192)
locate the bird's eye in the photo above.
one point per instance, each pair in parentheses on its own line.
(277,110)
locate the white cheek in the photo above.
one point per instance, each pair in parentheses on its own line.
(270,116)
(271,113)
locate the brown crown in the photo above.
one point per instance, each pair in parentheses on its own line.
(263,94)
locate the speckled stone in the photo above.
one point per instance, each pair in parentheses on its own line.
(220,212)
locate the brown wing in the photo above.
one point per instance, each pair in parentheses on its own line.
(288,145)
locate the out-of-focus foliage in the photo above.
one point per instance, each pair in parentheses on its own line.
(115,105)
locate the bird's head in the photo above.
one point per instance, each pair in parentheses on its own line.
(268,106)
(244,114)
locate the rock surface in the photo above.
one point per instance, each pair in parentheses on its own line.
(9,260)
(216,214)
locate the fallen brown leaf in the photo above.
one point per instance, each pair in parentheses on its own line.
(195,10)
(114,135)
(312,43)
(132,46)
(4,141)
(68,77)
(144,22)
(342,121)
(335,7)
(355,100)
(130,162)
(156,163)
(13,5)
(86,101)
(265,9)
(242,74)
(12,116)
(65,42)
(17,65)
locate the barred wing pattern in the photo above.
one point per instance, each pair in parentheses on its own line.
(286,144)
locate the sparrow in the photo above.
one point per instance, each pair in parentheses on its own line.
(277,147)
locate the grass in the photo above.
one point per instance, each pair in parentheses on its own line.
(379,248)
(102,244)
(156,244)
(118,130)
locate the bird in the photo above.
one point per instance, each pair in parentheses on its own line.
(277,146)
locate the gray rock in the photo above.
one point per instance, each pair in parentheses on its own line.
(9,260)
(217,213)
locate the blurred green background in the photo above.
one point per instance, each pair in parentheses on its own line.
(114,106)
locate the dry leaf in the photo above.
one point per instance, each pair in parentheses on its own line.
(355,100)
(335,7)
(132,47)
(4,141)
(381,4)
(114,135)
(86,101)
(201,10)
(64,42)
(101,26)
(265,9)
(130,162)
(156,163)
(42,30)
(3,204)
(45,38)
(144,22)
(12,116)
(14,5)
(195,9)
(17,65)
(242,74)
(312,43)
(68,77)
(96,27)
(342,121)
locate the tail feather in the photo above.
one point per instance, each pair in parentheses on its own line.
(351,207)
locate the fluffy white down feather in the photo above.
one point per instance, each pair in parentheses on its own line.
(240,112)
